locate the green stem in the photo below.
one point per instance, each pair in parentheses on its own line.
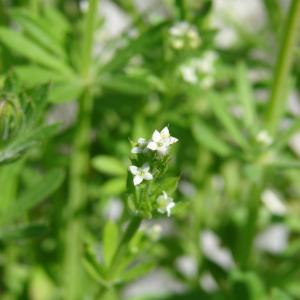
(249,230)
(130,232)
(283,67)
(79,169)
(131,229)
(250,227)
(77,198)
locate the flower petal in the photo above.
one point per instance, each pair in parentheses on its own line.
(152,146)
(165,132)
(156,137)
(145,167)
(172,140)
(169,207)
(136,150)
(163,150)
(133,170)
(142,141)
(148,176)
(137,180)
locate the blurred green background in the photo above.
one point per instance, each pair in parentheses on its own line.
(80,80)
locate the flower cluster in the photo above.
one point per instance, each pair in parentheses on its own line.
(160,142)
(184,35)
(200,70)
(149,163)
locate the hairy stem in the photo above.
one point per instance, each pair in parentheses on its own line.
(79,169)
(283,67)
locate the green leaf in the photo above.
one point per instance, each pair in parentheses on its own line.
(247,285)
(245,96)
(205,136)
(110,241)
(169,185)
(93,267)
(24,141)
(65,91)
(25,47)
(54,16)
(36,32)
(9,180)
(23,231)
(33,196)
(138,271)
(145,41)
(34,75)
(227,120)
(109,165)
(113,187)
(125,84)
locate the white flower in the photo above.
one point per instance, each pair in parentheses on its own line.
(183,33)
(141,146)
(188,74)
(264,138)
(140,174)
(207,61)
(273,202)
(161,141)
(165,204)
(200,70)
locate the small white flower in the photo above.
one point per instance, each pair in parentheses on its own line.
(200,70)
(140,174)
(161,141)
(188,74)
(264,138)
(207,61)
(273,202)
(184,34)
(141,146)
(165,204)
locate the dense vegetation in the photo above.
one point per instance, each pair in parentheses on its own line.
(149,141)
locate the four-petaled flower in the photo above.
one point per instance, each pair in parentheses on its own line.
(140,174)
(165,204)
(161,141)
(141,146)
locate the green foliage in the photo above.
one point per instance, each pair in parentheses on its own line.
(76,94)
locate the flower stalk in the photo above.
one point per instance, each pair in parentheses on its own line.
(283,67)
(79,168)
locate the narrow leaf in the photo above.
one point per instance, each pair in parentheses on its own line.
(205,136)
(227,120)
(25,47)
(110,241)
(33,196)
